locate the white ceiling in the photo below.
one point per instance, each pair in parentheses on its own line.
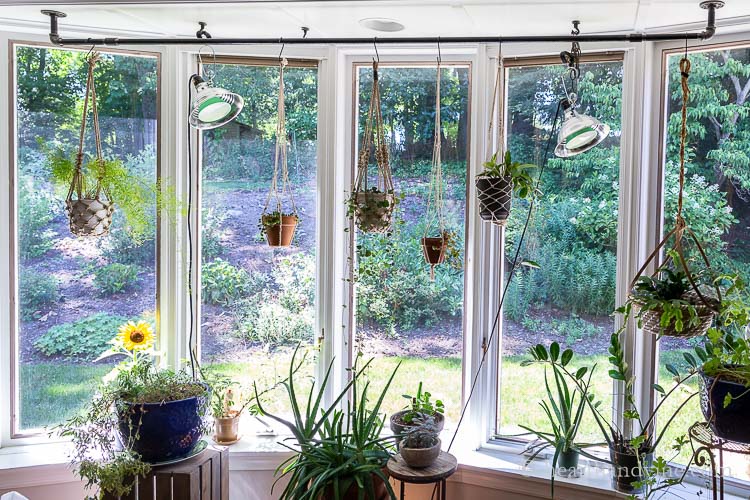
(334,18)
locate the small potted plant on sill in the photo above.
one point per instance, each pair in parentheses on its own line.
(420,406)
(565,408)
(140,416)
(278,228)
(420,446)
(725,366)
(667,305)
(338,454)
(497,183)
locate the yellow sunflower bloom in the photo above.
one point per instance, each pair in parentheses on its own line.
(136,337)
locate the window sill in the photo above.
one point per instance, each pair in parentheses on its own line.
(488,468)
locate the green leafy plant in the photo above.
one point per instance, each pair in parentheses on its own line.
(224,284)
(115,278)
(37,292)
(565,405)
(335,450)
(422,405)
(82,339)
(523,182)
(373,205)
(35,213)
(212,233)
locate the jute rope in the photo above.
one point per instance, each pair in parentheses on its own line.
(374,127)
(280,170)
(681,229)
(435,202)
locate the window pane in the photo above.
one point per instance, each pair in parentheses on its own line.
(717,192)
(73,293)
(401,314)
(258,302)
(573,237)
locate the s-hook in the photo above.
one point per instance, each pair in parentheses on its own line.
(202,33)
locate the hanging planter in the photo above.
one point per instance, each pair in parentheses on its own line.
(372,205)
(276,224)
(672,302)
(89,206)
(498,181)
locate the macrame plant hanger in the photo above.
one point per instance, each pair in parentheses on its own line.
(373,206)
(89,210)
(280,226)
(681,231)
(495,194)
(434,248)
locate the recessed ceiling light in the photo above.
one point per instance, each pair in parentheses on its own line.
(381,24)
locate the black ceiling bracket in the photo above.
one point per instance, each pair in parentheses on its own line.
(202,33)
(710,5)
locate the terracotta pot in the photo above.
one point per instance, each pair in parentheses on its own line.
(280,235)
(226,429)
(434,250)
(419,458)
(398,426)
(352,493)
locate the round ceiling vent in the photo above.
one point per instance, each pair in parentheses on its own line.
(381,24)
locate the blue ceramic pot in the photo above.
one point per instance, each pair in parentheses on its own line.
(162,431)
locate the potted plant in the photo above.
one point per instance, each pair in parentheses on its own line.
(420,446)
(565,408)
(139,416)
(372,209)
(437,249)
(497,183)
(337,454)
(725,368)
(420,406)
(278,228)
(667,305)
(372,205)
(632,455)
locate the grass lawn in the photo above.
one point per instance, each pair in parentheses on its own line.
(53,392)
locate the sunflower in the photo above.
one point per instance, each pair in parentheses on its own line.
(136,337)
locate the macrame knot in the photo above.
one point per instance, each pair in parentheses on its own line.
(685,67)
(93,59)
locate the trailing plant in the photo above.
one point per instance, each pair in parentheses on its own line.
(421,405)
(564,406)
(96,456)
(37,292)
(335,450)
(519,173)
(115,278)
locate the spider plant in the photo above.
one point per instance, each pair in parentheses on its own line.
(338,453)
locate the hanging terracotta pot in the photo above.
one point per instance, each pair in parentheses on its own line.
(495,196)
(434,250)
(279,231)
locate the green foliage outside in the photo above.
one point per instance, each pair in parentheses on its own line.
(84,339)
(36,209)
(38,292)
(225,284)
(115,278)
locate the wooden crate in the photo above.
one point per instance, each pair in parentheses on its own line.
(203,477)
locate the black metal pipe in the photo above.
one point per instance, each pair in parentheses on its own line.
(710,5)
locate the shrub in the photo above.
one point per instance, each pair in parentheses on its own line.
(122,248)
(84,339)
(269,322)
(212,234)
(35,212)
(224,284)
(114,278)
(37,292)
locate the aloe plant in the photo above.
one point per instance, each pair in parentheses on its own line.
(335,450)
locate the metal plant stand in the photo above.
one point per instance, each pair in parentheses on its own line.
(707,448)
